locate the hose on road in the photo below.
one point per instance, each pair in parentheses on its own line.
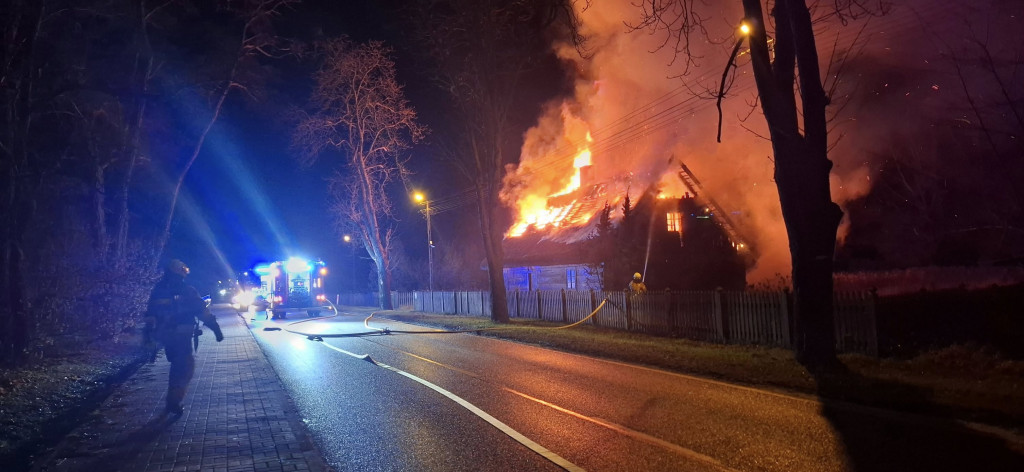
(386,331)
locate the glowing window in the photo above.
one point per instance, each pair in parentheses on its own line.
(674,221)
(570,279)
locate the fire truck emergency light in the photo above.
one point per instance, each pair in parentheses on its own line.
(262,269)
(296,265)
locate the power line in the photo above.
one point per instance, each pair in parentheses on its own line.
(451,202)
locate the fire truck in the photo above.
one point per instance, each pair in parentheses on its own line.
(293,285)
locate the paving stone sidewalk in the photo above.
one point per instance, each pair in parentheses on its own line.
(237,417)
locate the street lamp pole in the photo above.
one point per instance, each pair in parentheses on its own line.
(430,251)
(420,198)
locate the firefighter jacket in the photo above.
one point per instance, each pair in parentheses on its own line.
(173,309)
(637,287)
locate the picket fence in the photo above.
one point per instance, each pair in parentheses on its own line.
(744,317)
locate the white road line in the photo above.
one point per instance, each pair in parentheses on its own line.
(640,436)
(533,445)
(1011,436)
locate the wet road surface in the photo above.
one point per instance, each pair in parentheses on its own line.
(447,402)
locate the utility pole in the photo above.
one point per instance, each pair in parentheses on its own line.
(430,251)
(421,198)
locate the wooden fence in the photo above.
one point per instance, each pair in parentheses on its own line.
(741,317)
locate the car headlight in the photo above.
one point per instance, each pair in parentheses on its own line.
(244,298)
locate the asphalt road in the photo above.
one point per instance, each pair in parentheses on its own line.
(459,402)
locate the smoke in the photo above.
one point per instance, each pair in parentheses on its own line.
(633,99)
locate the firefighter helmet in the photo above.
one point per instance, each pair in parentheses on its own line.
(636,276)
(175,266)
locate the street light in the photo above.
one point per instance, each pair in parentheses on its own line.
(744,30)
(420,198)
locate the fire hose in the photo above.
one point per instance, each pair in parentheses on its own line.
(504,428)
(386,331)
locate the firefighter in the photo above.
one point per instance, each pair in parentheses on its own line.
(637,284)
(171,315)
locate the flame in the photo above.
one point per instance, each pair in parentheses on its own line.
(582,160)
(535,211)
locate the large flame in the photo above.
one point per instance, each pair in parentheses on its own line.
(536,211)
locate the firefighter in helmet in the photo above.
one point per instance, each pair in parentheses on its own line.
(171,315)
(637,284)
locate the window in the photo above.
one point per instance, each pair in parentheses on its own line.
(570,279)
(517,278)
(674,221)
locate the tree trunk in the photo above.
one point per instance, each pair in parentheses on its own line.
(18,205)
(492,237)
(122,221)
(801,169)
(378,252)
(375,244)
(99,201)
(15,335)
(811,223)
(132,132)
(384,287)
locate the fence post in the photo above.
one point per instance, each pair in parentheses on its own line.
(629,310)
(784,317)
(517,303)
(873,323)
(565,308)
(721,324)
(540,309)
(593,306)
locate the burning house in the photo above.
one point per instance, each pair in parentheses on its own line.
(596,235)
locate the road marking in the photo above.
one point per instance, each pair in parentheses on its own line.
(1008,435)
(1011,436)
(533,445)
(688,453)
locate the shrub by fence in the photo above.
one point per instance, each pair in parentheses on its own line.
(914,322)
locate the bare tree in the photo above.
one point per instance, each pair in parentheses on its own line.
(482,51)
(256,39)
(134,116)
(359,109)
(793,101)
(22,34)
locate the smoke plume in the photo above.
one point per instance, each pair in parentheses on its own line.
(885,75)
